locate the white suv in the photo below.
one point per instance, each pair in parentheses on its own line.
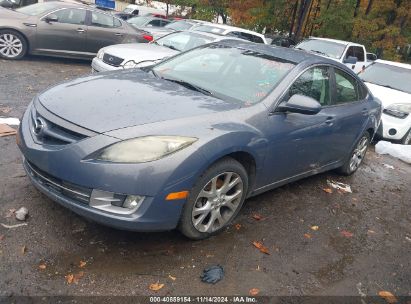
(351,54)
(227,30)
(391,83)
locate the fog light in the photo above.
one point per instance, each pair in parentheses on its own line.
(392,132)
(133,202)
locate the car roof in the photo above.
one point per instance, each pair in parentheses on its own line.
(287,54)
(217,37)
(336,41)
(397,64)
(232,28)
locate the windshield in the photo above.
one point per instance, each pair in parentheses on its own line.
(183,41)
(37,9)
(226,72)
(391,76)
(209,29)
(138,21)
(326,48)
(179,26)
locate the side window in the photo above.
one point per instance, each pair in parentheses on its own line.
(359,53)
(135,12)
(314,83)
(164,22)
(71,16)
(350,52)
(102,20)
(257,39)
(117,23)
(346,88)
(235,34)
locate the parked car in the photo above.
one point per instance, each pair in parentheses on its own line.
(237,32)
(185,142)
(13,4)
(61,29)
(391,83)
(125,56)
(351,54)
(154,33)
(147,21)
(133,10)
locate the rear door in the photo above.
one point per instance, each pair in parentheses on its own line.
(104,30)
(67,35)
(350,107)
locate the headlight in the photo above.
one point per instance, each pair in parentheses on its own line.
(100,54)
(399,110)
(144,149)
(132,64)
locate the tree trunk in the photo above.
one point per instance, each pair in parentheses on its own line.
(305,5)
(293,18)
(369,6)
(357,7)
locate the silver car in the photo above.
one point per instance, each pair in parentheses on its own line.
(61,29)
(124,56)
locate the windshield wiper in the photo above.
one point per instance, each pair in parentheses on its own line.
(319,52)
(190,86)
(171,47)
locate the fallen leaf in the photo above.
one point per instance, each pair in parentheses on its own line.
(10,212)
(371,232)
(1,237)
(209,255)
(69,278)
(346,233)
(388,296)
(307,235)
(42,266)
(328,190)
(315,228)
(257,217)
(82,264)
(238,226)
(261,247)
(156,286)
(254,291)
(23,249)
(171,277)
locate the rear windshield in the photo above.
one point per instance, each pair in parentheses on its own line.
(387,75)
(179,26)
(37,9)
(322,47)
(138,21)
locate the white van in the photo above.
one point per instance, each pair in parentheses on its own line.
(138,10)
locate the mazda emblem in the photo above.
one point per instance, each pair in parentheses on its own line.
(110,59)
(39,124)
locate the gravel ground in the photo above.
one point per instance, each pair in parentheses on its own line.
(362,244)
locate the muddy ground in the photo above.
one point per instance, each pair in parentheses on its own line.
(362,245)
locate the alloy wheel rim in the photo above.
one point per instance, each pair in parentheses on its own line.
(10,45)
(408,138)
(358,154)
(217,202)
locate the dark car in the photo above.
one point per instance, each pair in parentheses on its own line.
(185,142)
(61,29)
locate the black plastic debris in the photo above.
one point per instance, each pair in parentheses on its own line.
(212,274)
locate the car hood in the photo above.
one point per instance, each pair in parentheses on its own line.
(9,13)
(110,101)
(388,96)
(139,51)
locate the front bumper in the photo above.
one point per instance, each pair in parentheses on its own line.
(394,128)
(97,65)
(65,165)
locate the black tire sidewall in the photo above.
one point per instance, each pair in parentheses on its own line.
(345,169)
(23,42)
(405,137)
(186,225)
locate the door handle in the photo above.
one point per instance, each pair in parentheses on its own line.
(364,112)
(329,121)
(80,30)
(118,34)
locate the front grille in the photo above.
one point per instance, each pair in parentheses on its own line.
(49,133)
(112,60)
(59,186)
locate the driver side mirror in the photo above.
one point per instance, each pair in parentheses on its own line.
(350,60)
(51,18)
(300,104)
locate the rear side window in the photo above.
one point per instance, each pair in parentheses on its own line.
(155,22)
(314,83)
(103,20)
(346,88)
(71,16)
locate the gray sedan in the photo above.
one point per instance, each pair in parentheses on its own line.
(61,29)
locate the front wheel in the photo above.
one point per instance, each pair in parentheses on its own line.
(12,45)
(357,155)
(215,199)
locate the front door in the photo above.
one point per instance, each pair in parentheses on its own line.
(299,143)
(66,35)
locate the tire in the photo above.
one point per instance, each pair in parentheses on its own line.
(356,156)
(199,219)
(407,138)
(13,45)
